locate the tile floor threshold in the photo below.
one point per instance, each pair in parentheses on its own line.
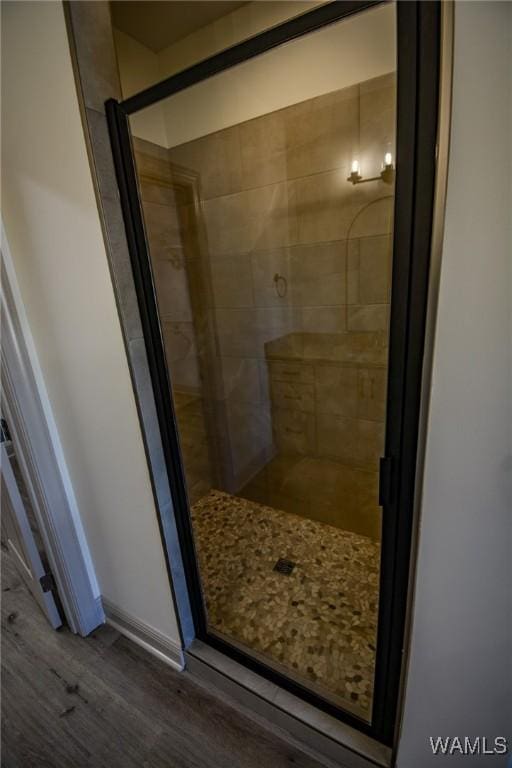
(321,735)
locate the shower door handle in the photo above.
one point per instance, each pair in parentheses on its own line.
(385,480)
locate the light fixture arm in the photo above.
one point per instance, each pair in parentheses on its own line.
(387,175)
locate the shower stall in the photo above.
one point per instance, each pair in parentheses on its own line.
(271,230)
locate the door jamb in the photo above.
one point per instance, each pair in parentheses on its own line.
(23,546)
(37,444)
(438,221)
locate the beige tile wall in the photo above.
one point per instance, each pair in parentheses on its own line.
(275,199)
(175,261)
(171,264)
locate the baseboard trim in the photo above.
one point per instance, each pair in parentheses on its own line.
(144,635)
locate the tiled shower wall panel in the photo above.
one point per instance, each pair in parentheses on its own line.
(171,262)
(276,200)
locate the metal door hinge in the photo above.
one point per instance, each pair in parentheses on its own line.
(385,480)
(47,582)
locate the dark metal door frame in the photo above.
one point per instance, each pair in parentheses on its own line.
(418,52)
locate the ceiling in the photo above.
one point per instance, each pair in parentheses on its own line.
(158,23)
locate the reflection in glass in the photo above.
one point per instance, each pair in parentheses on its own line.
(272,271)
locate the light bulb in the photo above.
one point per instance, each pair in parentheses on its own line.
(355,166)
(388,159)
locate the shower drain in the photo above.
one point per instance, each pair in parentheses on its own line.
(284,566)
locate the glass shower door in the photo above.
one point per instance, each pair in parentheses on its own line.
(269,222)
(258,189)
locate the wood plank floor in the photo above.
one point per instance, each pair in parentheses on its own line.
(69,702)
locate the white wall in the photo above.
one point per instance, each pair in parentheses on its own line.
(335,57)
(53,228)
(138,69)
(338,56)
(230,29)
(459,681)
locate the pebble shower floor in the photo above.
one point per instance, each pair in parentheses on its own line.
(317,623)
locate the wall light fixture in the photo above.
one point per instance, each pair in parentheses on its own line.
(387,173)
